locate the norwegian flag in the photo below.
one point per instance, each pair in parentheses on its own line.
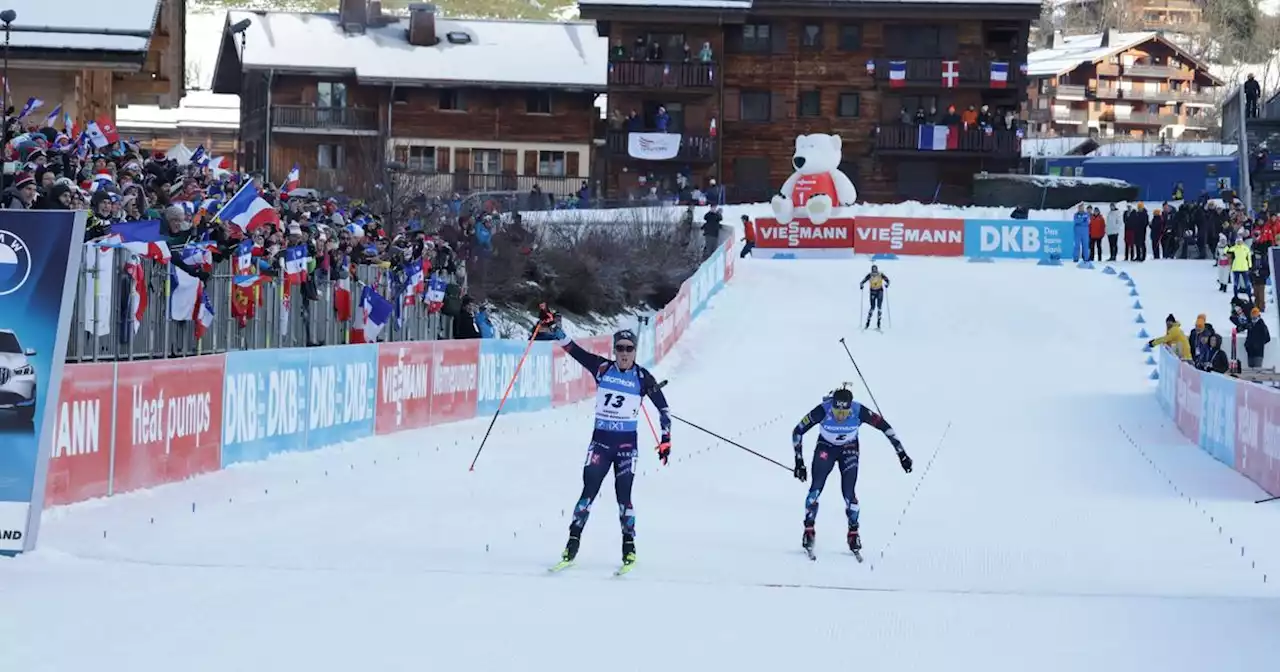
(950,74)
(999,75)
(897,74)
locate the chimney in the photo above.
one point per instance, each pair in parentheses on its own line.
(422,24)
(354,16)
(1057,42)
(1110,37)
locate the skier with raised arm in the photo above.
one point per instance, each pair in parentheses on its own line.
(621,386)
(838,418)
(879,282)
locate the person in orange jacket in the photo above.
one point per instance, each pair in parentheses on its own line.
(748,235)
(1097,230)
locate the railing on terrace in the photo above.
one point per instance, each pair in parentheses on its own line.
(312,118)
(101,328)
(657,75)
(430,183)
(906,138)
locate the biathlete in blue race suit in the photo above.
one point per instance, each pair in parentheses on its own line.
(621,386)
(838,418)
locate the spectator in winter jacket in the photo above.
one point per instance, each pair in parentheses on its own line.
(1174,338)
(1141,220)
(1198,337)
(1080,221)
(1115,225)
(464,325)
(1157,230)
(1214,358)
(1130,252)
(748,236)
(711,231)
(1224,263)
(1260,272)
(1097,229)
(1200,346)
(1255,343)
(1241,262)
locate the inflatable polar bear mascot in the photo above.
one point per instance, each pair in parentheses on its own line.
(817,187)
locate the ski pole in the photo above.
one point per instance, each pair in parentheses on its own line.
(1269,499)
(650,420)
(730,442)
(527,348)
(860,376)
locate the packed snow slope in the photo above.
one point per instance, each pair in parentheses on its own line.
(1031,535)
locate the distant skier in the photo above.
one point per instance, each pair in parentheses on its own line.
(879,282)
(621,386)
(838,418)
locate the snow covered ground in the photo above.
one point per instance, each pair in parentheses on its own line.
(1053,522)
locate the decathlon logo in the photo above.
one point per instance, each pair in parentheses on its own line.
(15,263)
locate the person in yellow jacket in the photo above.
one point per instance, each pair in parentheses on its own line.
(1174,338)
(1241,262)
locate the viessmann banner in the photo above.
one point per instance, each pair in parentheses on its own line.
(39,256)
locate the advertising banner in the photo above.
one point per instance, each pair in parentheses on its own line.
(835,233)
(1218,417)
(1258,435)
(342,384)
(498,361)
(266,404)
(910,235)
(1187,402)
(646,349)
(404,386)
(455,377)
(1167,369)
(729,256)
(40,252)
(1017,239)
(80,463)
(705,282)
(167,414)
(572,382)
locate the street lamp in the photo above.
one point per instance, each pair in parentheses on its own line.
(7,16)
(239,28)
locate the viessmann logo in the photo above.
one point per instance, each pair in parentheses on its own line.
(898,235)
(805,235)
(15,262)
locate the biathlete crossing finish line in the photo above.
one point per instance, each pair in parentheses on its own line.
(621,386)
(879,282)
(838,418)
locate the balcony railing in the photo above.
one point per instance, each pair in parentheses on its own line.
(649,147)
(1068,92)
(311,118)
(927,72)
(431,183)
(1200,97)
(1059,116)
(1157,71)
(1108,70)
(906,138)
(655,75)
(1145,119)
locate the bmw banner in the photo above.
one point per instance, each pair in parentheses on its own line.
(39,259)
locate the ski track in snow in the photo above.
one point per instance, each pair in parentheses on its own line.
(1062,524)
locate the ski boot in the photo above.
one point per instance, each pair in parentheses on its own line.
(807,542)
(877,320)
(571,548)
(868,324)
(855,540)
(628,550)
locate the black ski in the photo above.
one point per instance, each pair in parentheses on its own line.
(809,552)
(858,555)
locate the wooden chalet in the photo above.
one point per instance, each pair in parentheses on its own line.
(738,80)
(448,106)
(68,57)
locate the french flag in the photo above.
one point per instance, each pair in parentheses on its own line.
(137,293)
(295,264)
(435,293)
(203,315)
(247,211)
(342,299)
(373,315)
(897,74)
(999,75)
(291,180)
(413,282)
(937,137)
(140,238)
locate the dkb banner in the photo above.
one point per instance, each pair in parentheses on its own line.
(39,259)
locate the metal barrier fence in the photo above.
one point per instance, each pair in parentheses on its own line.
(102,330)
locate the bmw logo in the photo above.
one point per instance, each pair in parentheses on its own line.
(15,263)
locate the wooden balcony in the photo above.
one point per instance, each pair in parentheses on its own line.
(693,148)
(1059,116)
(1143,119)
(902,139)
(325,120)
(1196,97)
(667,76)
(1068,92)
(927,73)
(1108,70)
(1158,72)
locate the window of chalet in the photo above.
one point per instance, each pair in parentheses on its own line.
(417,158)
(811,36)
(850,37)
(756,106)
(330,157)
(331,94)
(538,102)
(919,41)
(757,38)
(486,161)
(809,104)
(452,99)
(551,164)
(400,96)
(850,105)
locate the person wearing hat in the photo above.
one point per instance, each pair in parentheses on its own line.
(22,195)
(621,386)
(1257,339)
(1174,338)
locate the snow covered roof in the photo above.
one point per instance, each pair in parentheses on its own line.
(1071,146)
(1061,146)
(1077,50)
(501,53)
(198,109)
(121,16)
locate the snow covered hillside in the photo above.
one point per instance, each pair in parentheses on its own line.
(1052,521)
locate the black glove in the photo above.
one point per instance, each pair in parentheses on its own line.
(905,460)
(800,472)
(1151,343)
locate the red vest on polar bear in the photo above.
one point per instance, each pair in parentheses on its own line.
(808,186)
